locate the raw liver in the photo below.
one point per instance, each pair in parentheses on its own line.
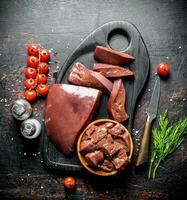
(112,148)
(107,147)
(112,71)
(89,132)
(81,75)
(87,146)
(116,102)
(116,130)
(94,158)
(99,134)
(68,110)
(113,57)
(106,140)
(107,166)
(121,160)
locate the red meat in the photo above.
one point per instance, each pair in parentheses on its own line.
(68,110)
(116,102)
(81,75)
(113,57)
(112,71)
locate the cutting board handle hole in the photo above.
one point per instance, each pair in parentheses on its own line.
(118,39)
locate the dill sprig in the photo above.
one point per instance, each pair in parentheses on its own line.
(166,139)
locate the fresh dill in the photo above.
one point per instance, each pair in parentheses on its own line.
(166,139)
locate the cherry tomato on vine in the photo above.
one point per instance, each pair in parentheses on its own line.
(163,69)
(69,183)
(43,67)
(32,61)
(42,89)
(44,55)
(41,78)
(30,95)
(33,49)
(30,83)
(30,72)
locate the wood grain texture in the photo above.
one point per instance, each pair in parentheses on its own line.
(61,25)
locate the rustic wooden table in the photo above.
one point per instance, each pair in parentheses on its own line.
(60,26)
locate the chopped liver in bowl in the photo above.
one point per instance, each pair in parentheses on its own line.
(106,146)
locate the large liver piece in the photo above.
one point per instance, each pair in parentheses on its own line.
(81,75)
(69,109)
(111,56)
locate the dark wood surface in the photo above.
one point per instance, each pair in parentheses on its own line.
(61,26)
(103,35)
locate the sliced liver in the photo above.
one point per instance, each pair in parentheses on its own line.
(87,146)
(99,134)
(112,71)
(107,147)
(112,148)
(108,125)
(116,130)
(107,166)
(94,158)
(69,109)
(116,102)
(121,160)
(81,75)
(89,132)
(106,140)
(126,138)
(121,136)
(113,57)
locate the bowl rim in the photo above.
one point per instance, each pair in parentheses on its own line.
(81,159)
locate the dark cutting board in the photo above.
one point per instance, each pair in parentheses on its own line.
(123,36)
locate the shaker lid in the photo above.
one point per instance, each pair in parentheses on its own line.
(18,109)
(30,128)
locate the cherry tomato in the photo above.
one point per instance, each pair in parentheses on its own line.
(30,95)
(41,78)
(43,67)
(70,183)
(163,69)
(30,72)
(33,49)
(32,61)
(44,55)
(30,83)
(42,89)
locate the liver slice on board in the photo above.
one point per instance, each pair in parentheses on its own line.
(69,109)
(112,71)
(116,102)
(81,75)
(111,56)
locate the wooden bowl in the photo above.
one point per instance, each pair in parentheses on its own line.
(99,172)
